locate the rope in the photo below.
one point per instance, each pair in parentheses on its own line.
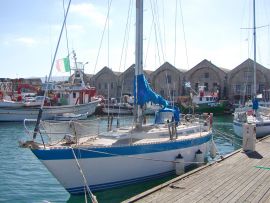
(228,137)
(92,196)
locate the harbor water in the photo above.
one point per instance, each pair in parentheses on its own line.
(25,179)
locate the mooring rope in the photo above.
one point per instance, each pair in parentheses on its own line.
(228,137)
(92,196)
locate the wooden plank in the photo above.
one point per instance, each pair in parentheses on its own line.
(234,179)
(215,190)
(237,186)
(194,190)
(250,187)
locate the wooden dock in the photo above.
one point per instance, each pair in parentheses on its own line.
(239,177)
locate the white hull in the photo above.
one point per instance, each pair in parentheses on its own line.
(6,103)
(113,171)
(49,112)
(262,129)
(116,110)
(71,116)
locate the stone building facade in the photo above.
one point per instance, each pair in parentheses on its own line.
(208,75)
(106,82)
(169,81)
(241,81)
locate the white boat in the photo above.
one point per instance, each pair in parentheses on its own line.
(49,112)
(247,115)
(124,155)
(253,113)
(71,116)
(74,97)
(7,103)
(119,108)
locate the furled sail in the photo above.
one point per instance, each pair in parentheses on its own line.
(146,94)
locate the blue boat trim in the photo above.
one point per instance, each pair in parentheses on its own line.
(91,152)
(99,187)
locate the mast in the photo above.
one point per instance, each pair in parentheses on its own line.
(254,41)
(138,56)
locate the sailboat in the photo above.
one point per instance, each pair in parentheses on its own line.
(125,155)
(253,114)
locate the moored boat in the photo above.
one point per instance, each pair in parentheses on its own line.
(125,155)
(71,116)
(253,113)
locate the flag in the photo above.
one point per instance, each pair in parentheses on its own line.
(187,84)
(63,65)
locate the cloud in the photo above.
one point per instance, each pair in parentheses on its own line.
(90,11)
(28,41)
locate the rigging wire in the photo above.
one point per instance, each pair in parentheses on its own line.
(148,44)
(66,33)
(102,36)
(184,33)
(123,47)
(156,37)
(164,28)
(36,129)
(159,30)
(175,32)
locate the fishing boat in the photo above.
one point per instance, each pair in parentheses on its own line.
(71,116)
(205,102)
(253,113)
(113,107)
(86,161)
(74,97)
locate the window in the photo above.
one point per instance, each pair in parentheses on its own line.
(99,86)
(248,90)
(196,86)
(162,93)
(173,93)
(206,75)
(237,88)
(206,86)
(169,79)
(105,86)
(215,86)
(112,85)
(261,88)
(248,75)
(74,95)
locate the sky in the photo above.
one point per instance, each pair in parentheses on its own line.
(182,32)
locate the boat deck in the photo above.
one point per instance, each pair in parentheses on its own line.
(240,177)
(137,140)
(65,136)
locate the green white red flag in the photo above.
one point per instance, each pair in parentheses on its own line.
(63,65)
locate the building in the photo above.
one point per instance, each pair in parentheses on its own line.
(168,81)
(241,81)
(213,78)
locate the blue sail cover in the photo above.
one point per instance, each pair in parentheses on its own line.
(146,94)
(174,110)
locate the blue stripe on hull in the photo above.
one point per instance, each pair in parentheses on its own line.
(66,153)
(81,190)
